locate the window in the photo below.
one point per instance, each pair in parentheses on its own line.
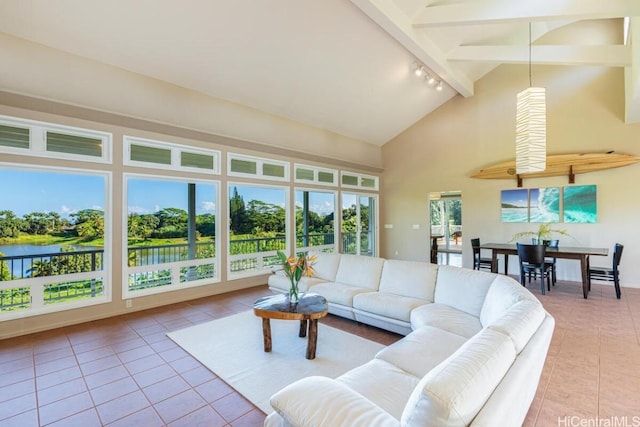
(28,137)
(315,220)
(163,155)
(355,180)
(14,137)
(55,250)
(257,167)
(171,234)
(359,224)
(257,228)
(315,175)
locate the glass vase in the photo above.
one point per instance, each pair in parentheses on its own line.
(294,293)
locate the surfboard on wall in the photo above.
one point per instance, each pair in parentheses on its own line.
(560,165)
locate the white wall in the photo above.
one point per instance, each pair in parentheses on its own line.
(42,72)
(585,113)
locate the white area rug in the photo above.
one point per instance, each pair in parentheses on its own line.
(232,348)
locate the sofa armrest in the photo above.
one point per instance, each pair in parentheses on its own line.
(321,401)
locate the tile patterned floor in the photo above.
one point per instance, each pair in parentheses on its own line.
(124,371)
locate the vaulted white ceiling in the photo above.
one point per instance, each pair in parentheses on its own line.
(338,65)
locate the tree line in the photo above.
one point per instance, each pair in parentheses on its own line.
(87,223)
(256,218)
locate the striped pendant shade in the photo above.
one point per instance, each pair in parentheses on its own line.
(531,131)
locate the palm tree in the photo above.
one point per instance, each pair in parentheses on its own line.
(40,268)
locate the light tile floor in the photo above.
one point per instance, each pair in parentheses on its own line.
(124,371)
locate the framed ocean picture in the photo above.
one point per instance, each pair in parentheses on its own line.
(580,204)
(514,205)
(544,204)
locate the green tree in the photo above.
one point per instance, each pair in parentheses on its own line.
(10,225)
(206,225)
(71,264)
(239,220)
(89,223)
(267,217)
(54,222)
(41,268)
(37,223)
(142,226)
(5,274)
(171,217)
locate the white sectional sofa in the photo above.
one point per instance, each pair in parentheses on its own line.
(473,352)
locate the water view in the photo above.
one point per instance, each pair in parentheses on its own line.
(21,268)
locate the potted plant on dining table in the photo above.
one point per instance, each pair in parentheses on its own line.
(544,233)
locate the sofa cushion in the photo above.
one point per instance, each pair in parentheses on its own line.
(520,322)
(326,265)
(462,288)
(319,401)
(360,271)
(384,384)
(388,305)
(446,318)
(453,392)
(502,294)
(409,278)
(421,350)
(338,293)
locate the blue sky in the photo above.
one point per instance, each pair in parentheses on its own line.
(25,192)
(518,198)
(30,191)
(148,196)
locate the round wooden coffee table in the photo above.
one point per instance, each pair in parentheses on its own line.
(308,310)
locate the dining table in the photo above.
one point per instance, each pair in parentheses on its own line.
(581,253)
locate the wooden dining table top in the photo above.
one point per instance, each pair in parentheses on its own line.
(576,250)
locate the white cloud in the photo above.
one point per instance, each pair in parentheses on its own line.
(208,206)
(138,210)
(66,210)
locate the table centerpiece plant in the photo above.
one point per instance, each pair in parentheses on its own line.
(544,232)
(294,268)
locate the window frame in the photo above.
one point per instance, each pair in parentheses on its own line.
(316,171)
(173,266)
(260,162)
(175,151)
(262,268)
(38,140)
(36,285)
(360,177)
(337,226)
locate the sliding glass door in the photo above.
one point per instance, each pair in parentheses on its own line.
(446,222)
(359,213)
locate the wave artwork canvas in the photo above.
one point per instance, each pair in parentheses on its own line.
(580,204)
(514,205)
(544,204)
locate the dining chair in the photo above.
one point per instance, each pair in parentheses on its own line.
(551,260)
(478,261)
(434,250)
(531,259)
(609,274)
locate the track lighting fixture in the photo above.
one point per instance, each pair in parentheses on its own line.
(432,80)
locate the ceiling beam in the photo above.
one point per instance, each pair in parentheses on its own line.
(607,56)
(501,11)
(395,22)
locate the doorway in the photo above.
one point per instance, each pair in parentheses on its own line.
(359,219)
(445,213)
